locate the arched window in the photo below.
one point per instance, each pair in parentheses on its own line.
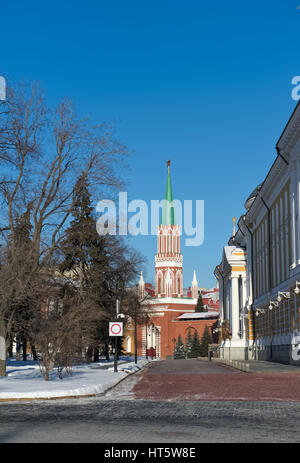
(190,329)
(159,285)
(128,344)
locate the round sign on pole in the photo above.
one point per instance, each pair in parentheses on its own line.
(116,329)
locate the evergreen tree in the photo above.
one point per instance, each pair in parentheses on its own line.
(179,351)
(195,349)
(102,265)
(22,252)
(205,341)
(86,257)
(200,306)
(81,237)
(188,344)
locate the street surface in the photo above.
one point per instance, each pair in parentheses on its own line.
(176,401)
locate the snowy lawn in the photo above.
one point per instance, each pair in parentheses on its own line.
(24,380)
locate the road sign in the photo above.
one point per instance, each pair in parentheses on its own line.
(116,329)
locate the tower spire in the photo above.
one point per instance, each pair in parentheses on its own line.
(168,260)
(141,287)
(168,164)
(194,286)
(168,214)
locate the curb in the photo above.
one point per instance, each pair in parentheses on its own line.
(122,379)
(237,364)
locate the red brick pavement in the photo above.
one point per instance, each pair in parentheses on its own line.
(203,382)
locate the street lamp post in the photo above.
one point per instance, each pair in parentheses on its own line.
(156,340)
(152,328)
(135,334)
(146,341)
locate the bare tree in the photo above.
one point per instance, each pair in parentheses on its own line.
(61,329)
(41,154)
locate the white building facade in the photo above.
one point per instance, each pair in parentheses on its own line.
(260,293)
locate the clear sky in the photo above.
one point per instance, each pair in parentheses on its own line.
(204,83)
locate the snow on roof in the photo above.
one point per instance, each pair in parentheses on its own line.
(195,315)
(212,296)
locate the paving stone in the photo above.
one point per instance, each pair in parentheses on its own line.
(120,417)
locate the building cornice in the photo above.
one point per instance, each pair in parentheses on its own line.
(278,176)
(290,134)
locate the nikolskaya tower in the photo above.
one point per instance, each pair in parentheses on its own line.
(168,259)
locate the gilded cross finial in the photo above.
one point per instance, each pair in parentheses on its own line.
(168,164)
(233,222)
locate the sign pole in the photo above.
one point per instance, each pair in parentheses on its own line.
(115,330)
(116,339)
(116,355)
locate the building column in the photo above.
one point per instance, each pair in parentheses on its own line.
(244,307)
(235,308)
(297,211)
(221,298)
(293,207)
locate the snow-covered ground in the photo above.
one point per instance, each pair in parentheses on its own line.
(24,379)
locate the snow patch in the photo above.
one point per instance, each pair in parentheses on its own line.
(24,380)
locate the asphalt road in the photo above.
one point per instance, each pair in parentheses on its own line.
(123,415)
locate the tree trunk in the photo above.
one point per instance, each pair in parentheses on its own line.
(96,354)
(106,351)
(24,346)
(2,348)
(18,349)
(89,355)
(33,350)
(10,347)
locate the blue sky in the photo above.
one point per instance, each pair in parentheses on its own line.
(207,84)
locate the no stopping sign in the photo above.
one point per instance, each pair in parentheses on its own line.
(116,329)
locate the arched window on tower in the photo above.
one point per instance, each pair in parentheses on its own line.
(178,285)
(159,285)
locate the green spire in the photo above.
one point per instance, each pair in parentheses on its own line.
(168,213)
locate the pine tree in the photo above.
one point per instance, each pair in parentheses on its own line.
(86,257)
(188,344)
(81,237)
(195,349)
(200,306)
(22,249)
(179,351)
(86,254)
(205,341)
(101,264)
